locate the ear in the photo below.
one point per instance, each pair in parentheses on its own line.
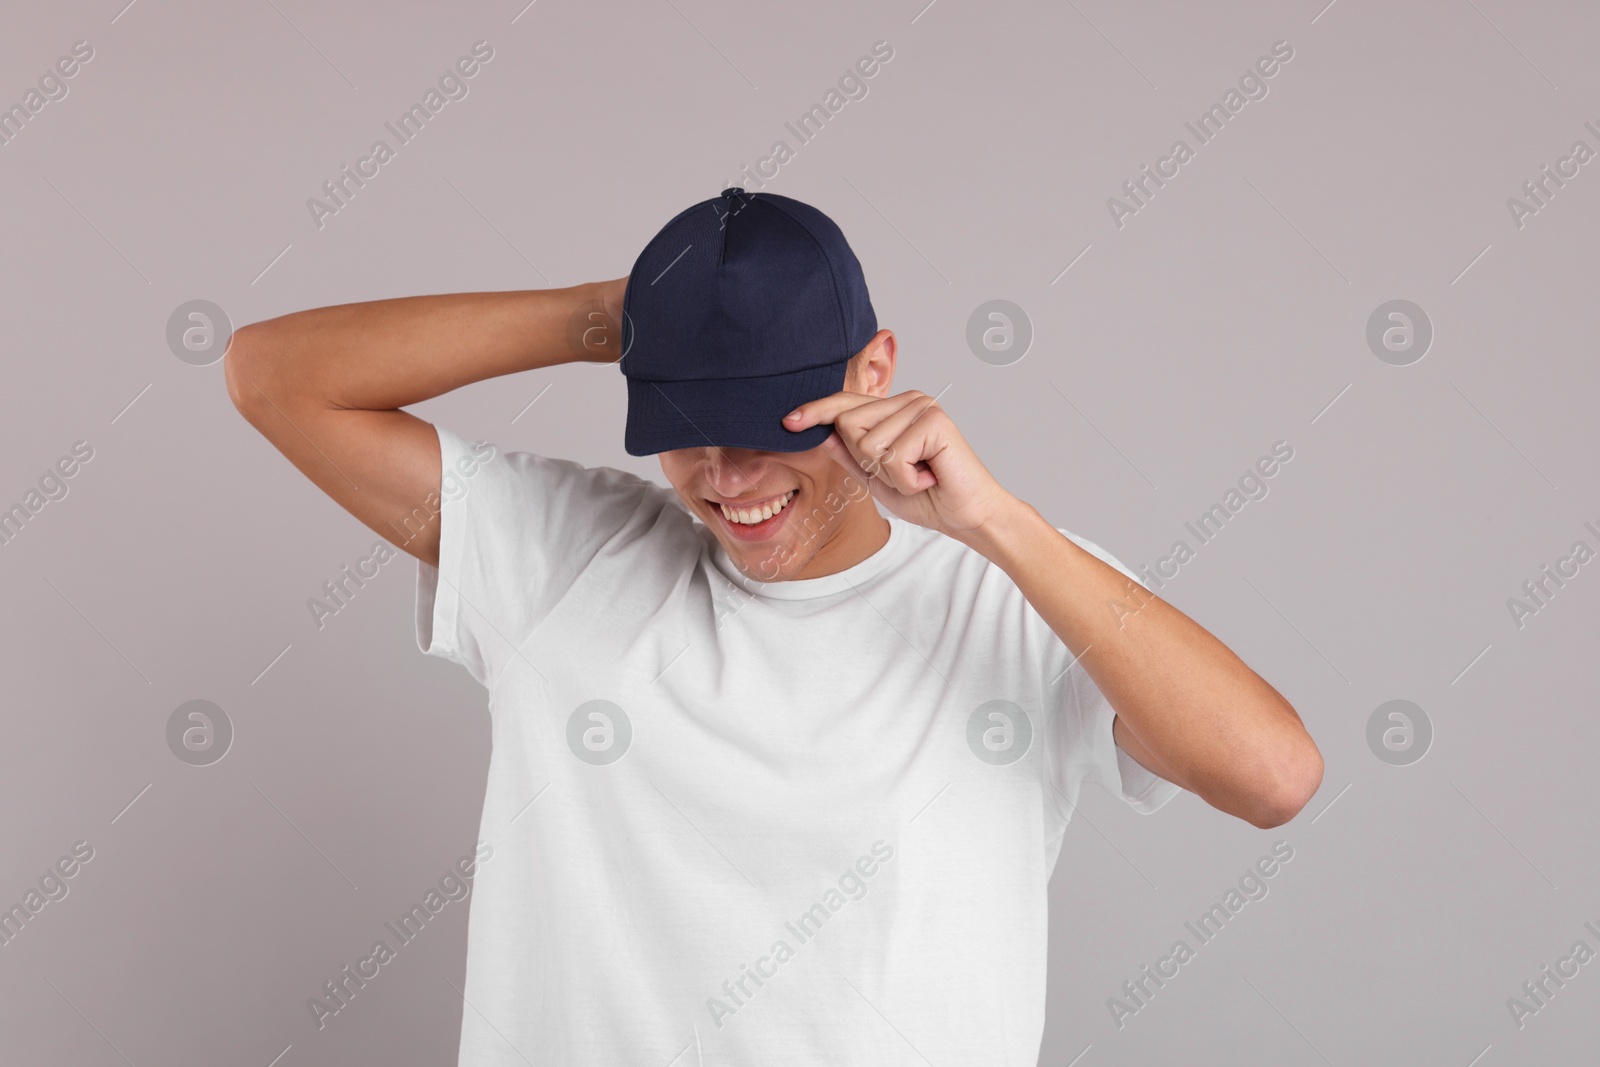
(872,369)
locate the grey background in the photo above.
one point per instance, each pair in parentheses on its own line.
(1226,315)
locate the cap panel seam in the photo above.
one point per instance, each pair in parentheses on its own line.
(722,249)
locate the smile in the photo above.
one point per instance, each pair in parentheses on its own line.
(751,515)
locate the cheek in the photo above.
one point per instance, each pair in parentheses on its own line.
(678,475)
(828,477)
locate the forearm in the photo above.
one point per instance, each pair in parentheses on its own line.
(1202,718)
(386,354)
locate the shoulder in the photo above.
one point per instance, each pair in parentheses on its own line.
(927,548)
(524,488)
(940,565)
(598,479)
(531,469)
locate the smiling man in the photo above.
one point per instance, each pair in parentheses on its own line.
(784,755)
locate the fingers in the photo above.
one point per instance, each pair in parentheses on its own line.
(895,443)
(879,436)
(828,409)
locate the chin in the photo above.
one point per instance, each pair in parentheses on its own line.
(765,562)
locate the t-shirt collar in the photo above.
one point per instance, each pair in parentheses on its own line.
(827,584)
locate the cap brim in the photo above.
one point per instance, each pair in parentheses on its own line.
(727,412)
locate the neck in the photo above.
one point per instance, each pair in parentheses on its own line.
(856,540)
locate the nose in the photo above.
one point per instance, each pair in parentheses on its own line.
(731,471)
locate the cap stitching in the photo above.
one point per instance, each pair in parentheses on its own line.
(722,249)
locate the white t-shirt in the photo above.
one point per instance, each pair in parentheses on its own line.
(737,823)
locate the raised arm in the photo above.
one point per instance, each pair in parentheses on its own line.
(326,385)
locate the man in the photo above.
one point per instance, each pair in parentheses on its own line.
(777,778)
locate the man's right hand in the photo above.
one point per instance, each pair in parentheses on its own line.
(326,387)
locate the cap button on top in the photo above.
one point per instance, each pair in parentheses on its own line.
(731,190)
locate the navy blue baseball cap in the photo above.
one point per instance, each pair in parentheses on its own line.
(741,309)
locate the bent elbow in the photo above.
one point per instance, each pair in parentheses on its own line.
(1299,778)
(241,368)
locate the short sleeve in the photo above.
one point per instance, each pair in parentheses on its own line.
(1083,746)
(517,531)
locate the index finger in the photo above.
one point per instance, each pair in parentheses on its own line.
(826,409)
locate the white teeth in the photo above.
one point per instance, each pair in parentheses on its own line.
(751,516)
